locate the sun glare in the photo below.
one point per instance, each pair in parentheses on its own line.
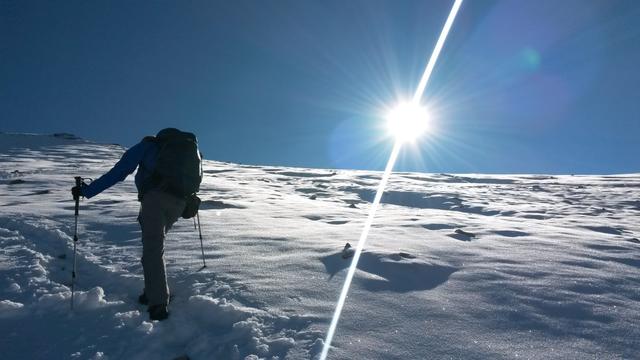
(408,121)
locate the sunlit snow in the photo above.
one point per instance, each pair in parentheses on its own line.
(456,266)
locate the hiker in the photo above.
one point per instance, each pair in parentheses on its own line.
(169,175)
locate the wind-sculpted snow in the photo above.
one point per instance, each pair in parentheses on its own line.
(457,266)
(397,272)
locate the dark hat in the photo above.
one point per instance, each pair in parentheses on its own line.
(167,132)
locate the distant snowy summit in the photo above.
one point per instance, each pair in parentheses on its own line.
(32,136)
(66,136)
(62,135)
(9,141)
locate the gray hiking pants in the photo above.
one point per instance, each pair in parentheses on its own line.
(158,212)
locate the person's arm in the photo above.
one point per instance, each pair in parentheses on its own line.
(123,168)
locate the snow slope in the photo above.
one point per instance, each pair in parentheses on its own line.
(456,267)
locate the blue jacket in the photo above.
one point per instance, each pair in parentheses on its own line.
(142,156)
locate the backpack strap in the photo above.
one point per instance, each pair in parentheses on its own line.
(150,181)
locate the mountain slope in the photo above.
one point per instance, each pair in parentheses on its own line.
(456,266)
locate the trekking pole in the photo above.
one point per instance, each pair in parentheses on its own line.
(75,240)
(204,264)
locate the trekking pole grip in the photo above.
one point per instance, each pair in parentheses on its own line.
(77,198)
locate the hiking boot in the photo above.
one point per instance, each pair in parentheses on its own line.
(142,299)
(158,312)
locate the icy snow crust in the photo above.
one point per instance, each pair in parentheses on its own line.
(457,266)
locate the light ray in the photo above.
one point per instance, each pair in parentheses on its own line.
(383,183)
(436,52)
(359,247)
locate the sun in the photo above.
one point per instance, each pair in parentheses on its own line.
(408,121)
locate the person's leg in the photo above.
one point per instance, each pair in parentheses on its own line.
(159,211)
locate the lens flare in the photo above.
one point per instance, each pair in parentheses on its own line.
(408,121)
(436,51)
(360,246)
(385,178)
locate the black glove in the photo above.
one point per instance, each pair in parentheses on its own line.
(76,191)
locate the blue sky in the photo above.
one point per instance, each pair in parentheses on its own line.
(521,86)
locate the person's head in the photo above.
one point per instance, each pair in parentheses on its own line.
(167,131)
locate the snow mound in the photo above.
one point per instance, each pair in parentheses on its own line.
(240,330)
(9,308)
(83,300)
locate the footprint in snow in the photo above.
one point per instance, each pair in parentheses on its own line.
(313,217)
(607,248)
(401,255)
(605,229)
(510,233)
(331,222)
(217,205)
(462,235)
(438,226)
(309,190)
(41,192)
(15,203)
(337,222)
(534,217)
(392,272)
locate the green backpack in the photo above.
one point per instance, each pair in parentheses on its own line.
(178,168)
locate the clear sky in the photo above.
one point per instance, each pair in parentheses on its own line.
(521,86)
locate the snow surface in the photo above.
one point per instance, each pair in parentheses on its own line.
(456,267)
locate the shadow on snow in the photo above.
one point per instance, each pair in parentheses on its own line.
(391,272)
